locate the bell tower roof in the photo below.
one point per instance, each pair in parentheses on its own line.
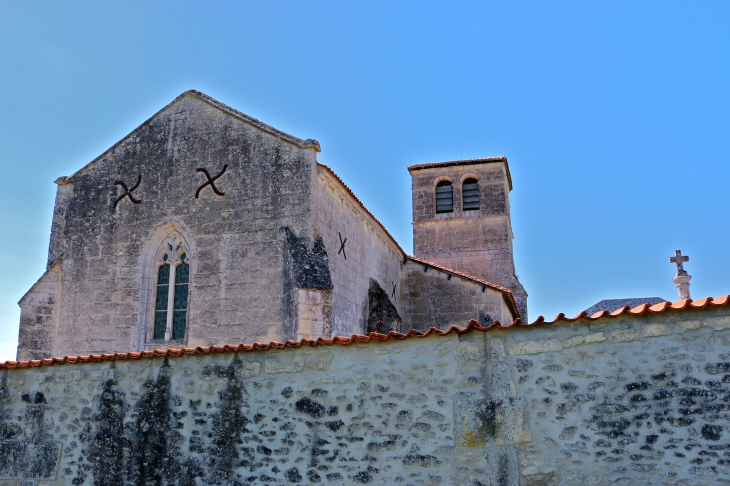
(452,163)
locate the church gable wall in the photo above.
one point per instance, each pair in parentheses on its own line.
(369,254)
(432,299)
(625,400)
(237,270)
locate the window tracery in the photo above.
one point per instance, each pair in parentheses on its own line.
(171,289)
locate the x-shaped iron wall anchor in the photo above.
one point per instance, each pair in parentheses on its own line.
(211,181)
(392,294)
(128,192)
(342,245)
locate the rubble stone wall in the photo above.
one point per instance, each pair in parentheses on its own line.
(627,400)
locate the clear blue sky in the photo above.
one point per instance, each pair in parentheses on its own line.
(614,117)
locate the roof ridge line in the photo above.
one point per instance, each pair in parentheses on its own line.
(308,143)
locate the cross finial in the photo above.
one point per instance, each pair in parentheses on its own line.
(679,260)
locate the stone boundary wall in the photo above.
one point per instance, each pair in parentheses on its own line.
(626,400)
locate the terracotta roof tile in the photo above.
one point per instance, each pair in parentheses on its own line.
(680,306)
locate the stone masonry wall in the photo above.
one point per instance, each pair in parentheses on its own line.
(39,316)
(238,255)
(476,242)
(368,254)
(627,400)
(431,298)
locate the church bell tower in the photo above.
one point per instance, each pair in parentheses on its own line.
(461,220)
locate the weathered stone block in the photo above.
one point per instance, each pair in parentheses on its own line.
(623,335)
(534,347)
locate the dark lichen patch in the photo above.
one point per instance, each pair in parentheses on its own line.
(711,432)
(310,268)
(523,365)
(715,368)
(362,477)
(310,407)
(553,368)
(150,460)
(34,398)
(640,386)
(292,475)
(423,460)
(666,375)
(228,424)
(106,450)
(335,425)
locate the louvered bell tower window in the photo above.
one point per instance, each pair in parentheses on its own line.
(470,194)
(444,197)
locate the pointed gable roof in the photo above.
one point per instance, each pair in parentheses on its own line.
(308,143)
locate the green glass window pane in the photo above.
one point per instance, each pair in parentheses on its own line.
(161,300)
(163,279)
(178,324)
(163,289)
(181,297)
(160,324)
(163,274)
(182,274)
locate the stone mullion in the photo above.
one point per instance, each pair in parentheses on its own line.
(171,298)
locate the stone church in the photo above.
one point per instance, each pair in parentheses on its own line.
(205,226)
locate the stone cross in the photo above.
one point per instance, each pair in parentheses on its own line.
(681,279)
(679,260)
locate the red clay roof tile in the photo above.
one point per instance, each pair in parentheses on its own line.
(680,306)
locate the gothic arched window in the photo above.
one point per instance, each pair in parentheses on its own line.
(171,290)
(470,194)
(444,197)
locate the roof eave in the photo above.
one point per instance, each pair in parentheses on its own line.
(453,163)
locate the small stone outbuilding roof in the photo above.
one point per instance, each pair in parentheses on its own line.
(611,305)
